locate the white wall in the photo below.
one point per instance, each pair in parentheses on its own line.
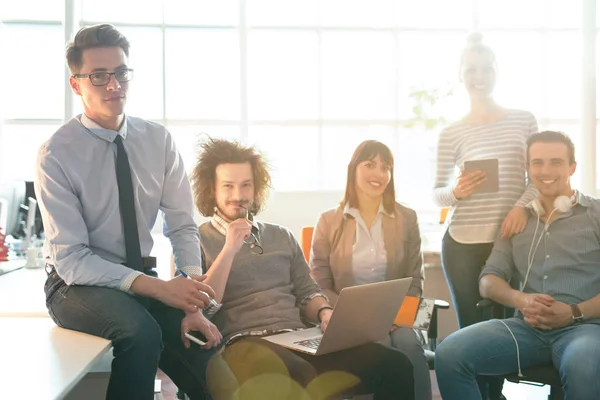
(297,209)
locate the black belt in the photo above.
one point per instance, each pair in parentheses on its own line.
(148,263)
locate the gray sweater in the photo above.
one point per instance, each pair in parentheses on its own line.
(263,292)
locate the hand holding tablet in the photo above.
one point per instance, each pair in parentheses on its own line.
(477,177)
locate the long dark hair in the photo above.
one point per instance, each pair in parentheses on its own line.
(368,150)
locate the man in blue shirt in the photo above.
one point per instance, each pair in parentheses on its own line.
(101,180)
(557,260)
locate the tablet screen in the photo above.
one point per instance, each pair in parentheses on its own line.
(490,167)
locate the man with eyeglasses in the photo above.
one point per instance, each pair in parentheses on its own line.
(101,180)
(260,276)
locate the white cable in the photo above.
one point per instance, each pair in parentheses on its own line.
(531,256)
(519,373)
(537,225)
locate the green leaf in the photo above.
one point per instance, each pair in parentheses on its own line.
(417,110)
(430,123)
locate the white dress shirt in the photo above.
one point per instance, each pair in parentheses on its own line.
(369,258)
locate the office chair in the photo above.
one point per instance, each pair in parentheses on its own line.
(306,235)
(538,375)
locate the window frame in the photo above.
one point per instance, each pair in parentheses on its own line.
(588,119)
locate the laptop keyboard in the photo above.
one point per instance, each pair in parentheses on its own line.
(310,343)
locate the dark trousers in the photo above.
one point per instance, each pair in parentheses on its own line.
(462,264)
(268,371)
(145,333)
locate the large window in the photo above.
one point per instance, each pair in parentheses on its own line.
(304,80)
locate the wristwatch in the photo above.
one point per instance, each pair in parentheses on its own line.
(577,314)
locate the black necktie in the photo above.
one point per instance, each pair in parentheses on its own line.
(127,207)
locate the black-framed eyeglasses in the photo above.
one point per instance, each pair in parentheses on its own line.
(255,246)
(102,78)
(252,241)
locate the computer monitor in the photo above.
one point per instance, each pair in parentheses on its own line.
(29,222)
(13,196)
(30,192)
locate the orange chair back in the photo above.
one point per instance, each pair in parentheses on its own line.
(306,235)
(444,214)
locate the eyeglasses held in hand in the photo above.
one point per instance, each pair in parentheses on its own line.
(102,78)
(255,246)
(252,241)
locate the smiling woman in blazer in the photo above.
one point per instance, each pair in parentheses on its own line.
(371,238)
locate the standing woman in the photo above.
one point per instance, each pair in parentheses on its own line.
(370,238)
(475,220)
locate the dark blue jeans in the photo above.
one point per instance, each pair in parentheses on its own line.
(462,264)
(489,349)
(145,333)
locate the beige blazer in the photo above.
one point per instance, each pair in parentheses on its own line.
(333,240)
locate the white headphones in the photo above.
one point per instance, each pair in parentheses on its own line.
(561,203)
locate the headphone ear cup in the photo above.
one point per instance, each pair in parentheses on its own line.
(563,203)
(537,207)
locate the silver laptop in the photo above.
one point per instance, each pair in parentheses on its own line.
(363,314)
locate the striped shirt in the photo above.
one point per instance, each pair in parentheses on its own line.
(477,218)
(566,263)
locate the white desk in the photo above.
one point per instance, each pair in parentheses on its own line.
(22,293)
(42,361)
(9,266)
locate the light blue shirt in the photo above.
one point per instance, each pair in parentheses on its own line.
(77,192)
(566,264)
